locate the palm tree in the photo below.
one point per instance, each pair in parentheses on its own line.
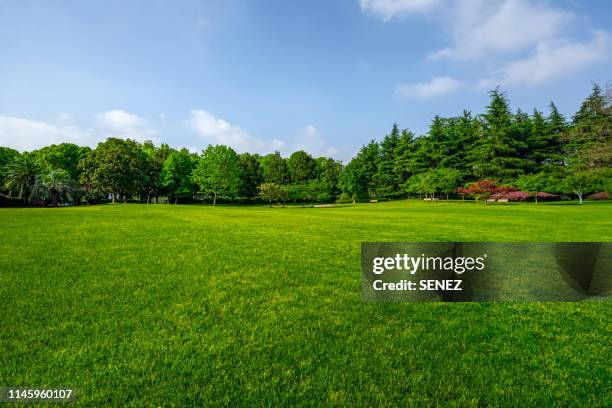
(21,174)
(54,184)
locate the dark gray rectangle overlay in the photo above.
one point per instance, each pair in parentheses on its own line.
(474,272)
(36,394)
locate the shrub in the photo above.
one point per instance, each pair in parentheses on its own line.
(517,196)
(344,198)
(487,189)
(602,195)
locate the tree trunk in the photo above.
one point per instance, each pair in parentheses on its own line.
(54,198)
(215,199)
(580,197)
(176,199)
(536,197)
(114,195)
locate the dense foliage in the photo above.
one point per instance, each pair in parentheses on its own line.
(535,155)
(538,153)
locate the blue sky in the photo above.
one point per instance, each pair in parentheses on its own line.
(324,76)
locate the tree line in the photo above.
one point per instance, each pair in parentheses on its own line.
(498,153)
(123,169)
(535,152)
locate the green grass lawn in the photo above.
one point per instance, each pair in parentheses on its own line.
(149,305)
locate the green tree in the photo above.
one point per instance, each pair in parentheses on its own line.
(498,153)
(116,166)
(405,157)
(328,171)
(176,175)
(6,156)
(582,183)
(469,134)
(251,174)
(353,181)
(534,183)
(21,174)
(437,149)
(590,136)
(155,159)
(271,192)
(557,127)
(447,180)
(218,171)
(316,190)
(63,156)
(369,157)
(421,183)
(385,177)
(55,185)
(301,167)
(274,169)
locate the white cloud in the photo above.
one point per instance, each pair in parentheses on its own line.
(311,141)
(214,130)
(523,42)
(388,9)
(482,28)
(119,123)
(217,131)
(435,87)
(26,135)
(552,61)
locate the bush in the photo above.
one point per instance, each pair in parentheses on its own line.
(517,196)
(391,196)
(344,199)
(602,195)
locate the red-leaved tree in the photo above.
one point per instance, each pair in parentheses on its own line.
(488,188)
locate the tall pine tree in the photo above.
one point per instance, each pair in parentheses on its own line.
(498,153)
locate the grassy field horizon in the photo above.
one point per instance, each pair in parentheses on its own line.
(134,304)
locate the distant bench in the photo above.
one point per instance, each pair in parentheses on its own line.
(431,199)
